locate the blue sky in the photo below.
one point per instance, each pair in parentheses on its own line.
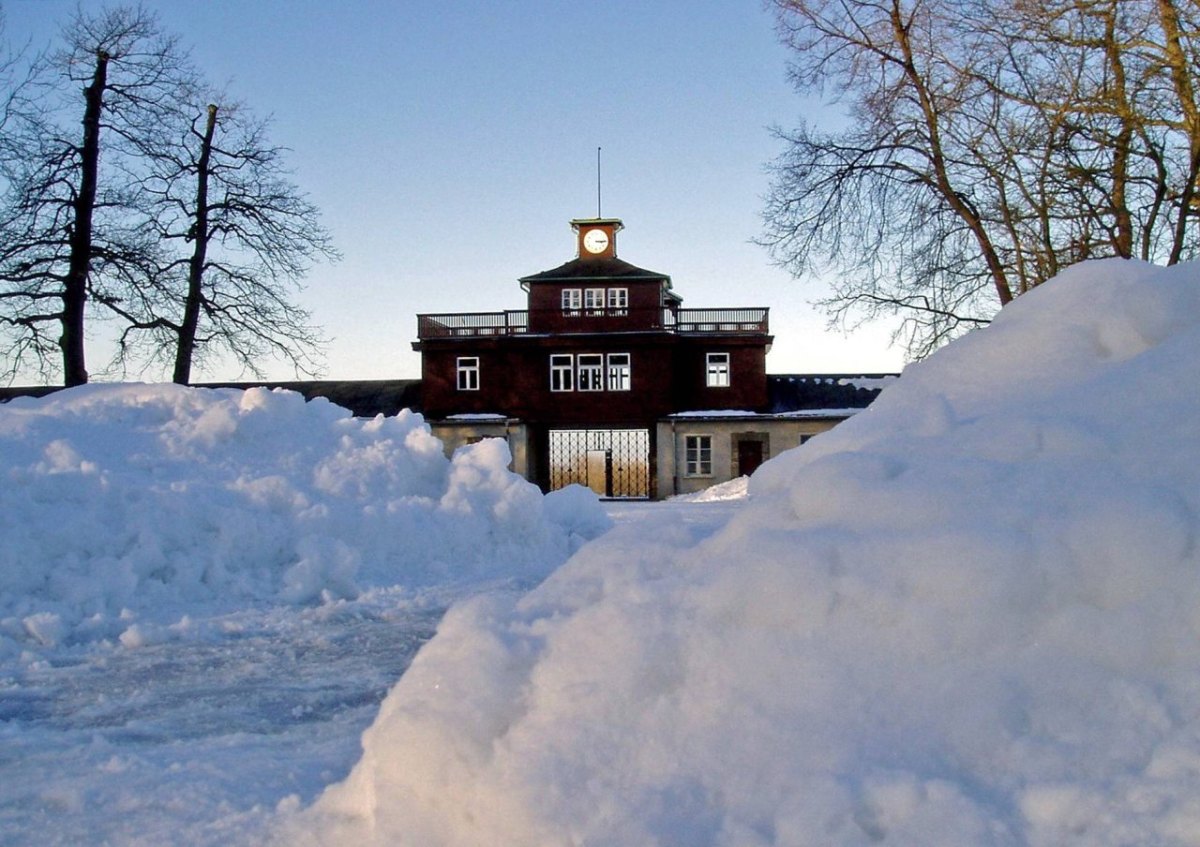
(449,143)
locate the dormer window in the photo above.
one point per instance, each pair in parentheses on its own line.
(618,301)
(572,301)
(593,301)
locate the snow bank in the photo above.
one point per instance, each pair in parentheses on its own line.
(125,508)
(968,616)
(734,489)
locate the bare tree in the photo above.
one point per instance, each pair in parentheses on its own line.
(223,192)
(987,145)
(70,228)
(890,201)
(1178,55)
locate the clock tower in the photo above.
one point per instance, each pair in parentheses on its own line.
(597,237)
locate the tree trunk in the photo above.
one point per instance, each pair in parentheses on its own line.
(76,283)
(1123,142)
(195,293)
(940,179)
(1177,61)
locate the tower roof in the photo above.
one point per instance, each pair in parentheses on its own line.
(608,268)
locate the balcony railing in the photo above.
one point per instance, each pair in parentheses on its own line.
(463,325)
(687,321)
(721,320)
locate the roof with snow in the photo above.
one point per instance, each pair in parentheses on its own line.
(842,393)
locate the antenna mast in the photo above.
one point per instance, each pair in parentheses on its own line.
(598,215)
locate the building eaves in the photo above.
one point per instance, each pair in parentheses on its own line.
(613,268)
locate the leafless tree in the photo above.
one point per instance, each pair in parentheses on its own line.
(889,201)
(986,146)
(242,235)
(70,229)
(177,224)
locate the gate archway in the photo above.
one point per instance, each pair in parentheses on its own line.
(612,462)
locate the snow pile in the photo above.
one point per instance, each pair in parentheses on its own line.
(734,489)
(968,616)
(127,510)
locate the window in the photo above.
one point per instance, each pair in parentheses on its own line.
(619,373)
(698,458)
(593,300)
(562,372)
(717,370)
(468,373)
(591,372)
(572,299)
(618,301)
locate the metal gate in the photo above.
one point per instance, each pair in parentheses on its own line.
(611,462)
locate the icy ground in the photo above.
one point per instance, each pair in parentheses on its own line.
(196,742)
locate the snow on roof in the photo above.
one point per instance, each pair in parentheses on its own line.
(718,413)
(820,413)
(870,383)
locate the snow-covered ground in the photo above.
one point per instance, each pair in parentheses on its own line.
(204,595)
(968,616)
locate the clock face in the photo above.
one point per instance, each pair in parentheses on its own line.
(595,240)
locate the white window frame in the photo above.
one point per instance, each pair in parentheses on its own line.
(467,373)
(593,301)
(572,301)
(618,301)
(620,372)
(562,372)
(589,374)
(697,454)
(717,370)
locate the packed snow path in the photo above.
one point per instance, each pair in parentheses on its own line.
(191,742)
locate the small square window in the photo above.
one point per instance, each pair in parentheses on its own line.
(593,300)
(572,300)
(717,370)
(468,373)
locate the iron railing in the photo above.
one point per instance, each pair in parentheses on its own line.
(721,320)
(689,321)
(471,324)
